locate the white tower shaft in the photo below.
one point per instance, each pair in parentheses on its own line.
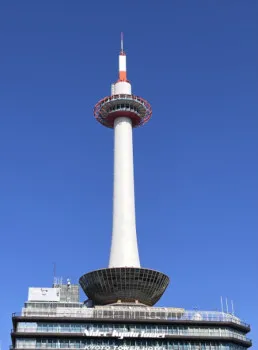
(124,248)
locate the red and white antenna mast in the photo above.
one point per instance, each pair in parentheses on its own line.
(122,61)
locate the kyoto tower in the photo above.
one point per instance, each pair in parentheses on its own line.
(124,281)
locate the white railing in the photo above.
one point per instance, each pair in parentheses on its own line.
(134,313)
(147,315)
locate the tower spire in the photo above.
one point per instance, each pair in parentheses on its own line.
(122,43)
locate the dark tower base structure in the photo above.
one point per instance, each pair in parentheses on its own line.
(124,285)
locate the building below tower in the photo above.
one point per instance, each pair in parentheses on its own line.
(55,318)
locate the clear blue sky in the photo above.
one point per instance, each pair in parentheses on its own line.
(195,162)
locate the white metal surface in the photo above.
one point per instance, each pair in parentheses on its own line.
(122,63)
(124,249)
(121,87)
(44,294)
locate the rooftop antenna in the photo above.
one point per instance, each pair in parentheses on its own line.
(227,305)
(232,306)
(221,302)
(54,269)
(54,274)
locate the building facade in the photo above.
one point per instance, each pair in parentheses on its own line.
(55,323)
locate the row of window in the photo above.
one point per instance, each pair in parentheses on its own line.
(125,329)
(53,305)
(123,107)
(122,345)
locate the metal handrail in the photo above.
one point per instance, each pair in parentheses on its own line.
(149,315)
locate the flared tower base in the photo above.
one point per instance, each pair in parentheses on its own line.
(125,285)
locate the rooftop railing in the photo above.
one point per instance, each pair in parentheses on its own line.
(133,313)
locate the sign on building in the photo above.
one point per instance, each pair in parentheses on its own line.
(44,294)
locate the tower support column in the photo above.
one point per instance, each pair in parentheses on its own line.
(124,248)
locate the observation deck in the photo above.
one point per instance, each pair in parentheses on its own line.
(123,105)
